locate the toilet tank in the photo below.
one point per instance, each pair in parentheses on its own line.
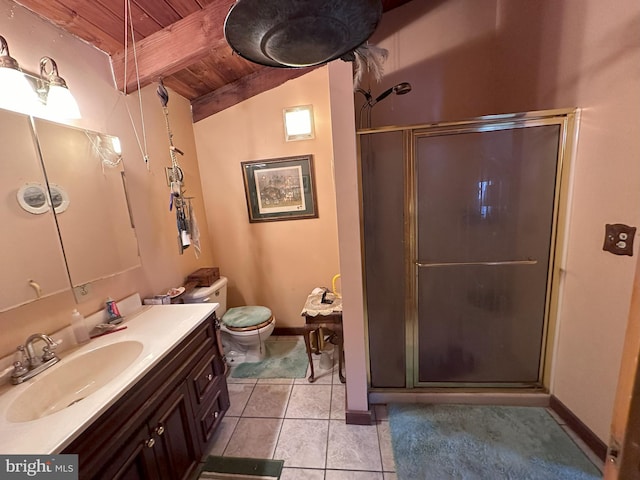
(216,293)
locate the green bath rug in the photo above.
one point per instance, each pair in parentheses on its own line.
(471,442)
(283,359)
(236,468)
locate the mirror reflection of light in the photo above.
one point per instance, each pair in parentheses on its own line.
(115,142)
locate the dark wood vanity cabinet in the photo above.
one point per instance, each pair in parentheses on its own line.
(161,427)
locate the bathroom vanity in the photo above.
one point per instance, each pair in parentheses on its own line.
(153,420)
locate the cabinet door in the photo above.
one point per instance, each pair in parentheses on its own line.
(174,432)
(135,460)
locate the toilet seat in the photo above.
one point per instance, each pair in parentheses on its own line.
(248,318)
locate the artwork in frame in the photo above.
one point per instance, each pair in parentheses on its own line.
(280,189)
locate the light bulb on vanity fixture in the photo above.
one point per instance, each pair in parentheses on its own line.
(16,93)
(55,94)
(43,95)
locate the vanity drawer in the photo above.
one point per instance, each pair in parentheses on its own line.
(212,416)
(203,378)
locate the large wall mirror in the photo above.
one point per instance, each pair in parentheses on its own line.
(83,231)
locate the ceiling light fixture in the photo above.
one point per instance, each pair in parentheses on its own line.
(298,123)
(45,95)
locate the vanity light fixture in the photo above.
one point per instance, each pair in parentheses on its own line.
(16,93)
(43,95)
(298,123)
(54,92)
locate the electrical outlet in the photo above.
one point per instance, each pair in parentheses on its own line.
(618,239)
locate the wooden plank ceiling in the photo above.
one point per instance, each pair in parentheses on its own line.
(179,41)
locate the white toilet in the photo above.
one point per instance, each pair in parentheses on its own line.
(244,329)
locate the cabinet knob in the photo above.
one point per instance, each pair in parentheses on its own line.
(150,443)
(215,414)
(210,377)
(160,429)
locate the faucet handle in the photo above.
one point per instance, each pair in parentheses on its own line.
(18,369)
(47,354)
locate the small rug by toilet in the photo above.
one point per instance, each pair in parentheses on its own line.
(283,359)
(470,442)
(236,468)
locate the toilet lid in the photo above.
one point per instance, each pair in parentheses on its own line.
(246,317)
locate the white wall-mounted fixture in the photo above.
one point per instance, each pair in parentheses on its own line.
(298,123)
(35,198)
(43,95)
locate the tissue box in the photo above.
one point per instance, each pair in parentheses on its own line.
(158,300)
(204,277)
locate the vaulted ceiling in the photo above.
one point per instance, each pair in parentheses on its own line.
(179,41)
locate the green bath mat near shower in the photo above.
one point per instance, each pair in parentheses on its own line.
(236,468)
(438,442)
(283,359)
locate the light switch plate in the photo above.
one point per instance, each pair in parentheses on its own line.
(618,239)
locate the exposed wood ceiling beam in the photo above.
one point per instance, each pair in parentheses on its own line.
(242,89)
(172,48)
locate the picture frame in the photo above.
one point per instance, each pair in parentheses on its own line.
(280,189)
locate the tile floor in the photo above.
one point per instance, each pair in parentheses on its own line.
(303,424)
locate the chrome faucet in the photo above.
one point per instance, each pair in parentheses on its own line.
(31,364)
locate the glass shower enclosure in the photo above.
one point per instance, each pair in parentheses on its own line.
(459,231)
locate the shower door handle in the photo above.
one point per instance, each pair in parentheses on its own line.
(474,264)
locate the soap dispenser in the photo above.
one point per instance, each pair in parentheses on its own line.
(80,331)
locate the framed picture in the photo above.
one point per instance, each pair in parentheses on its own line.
(280,189)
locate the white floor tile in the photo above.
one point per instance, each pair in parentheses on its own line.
(386,448)
(309,401)
(353,447)
(338,402)
(268,401)
(302,474)
(352,475)
(254,438)
(303,443)
(222,435)
(239,394)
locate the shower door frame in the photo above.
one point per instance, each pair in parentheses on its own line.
(567,120)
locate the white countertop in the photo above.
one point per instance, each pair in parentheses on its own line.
(158,327)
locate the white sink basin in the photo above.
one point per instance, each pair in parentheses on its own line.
(70,381)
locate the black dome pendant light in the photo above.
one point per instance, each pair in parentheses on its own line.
(300,33)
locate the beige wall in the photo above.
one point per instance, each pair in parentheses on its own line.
(586,54)
(348,201)
(446,50)
(469,57)
(278,263)
(88,74)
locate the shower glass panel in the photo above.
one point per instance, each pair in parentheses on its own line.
(484,223)
(382,167)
